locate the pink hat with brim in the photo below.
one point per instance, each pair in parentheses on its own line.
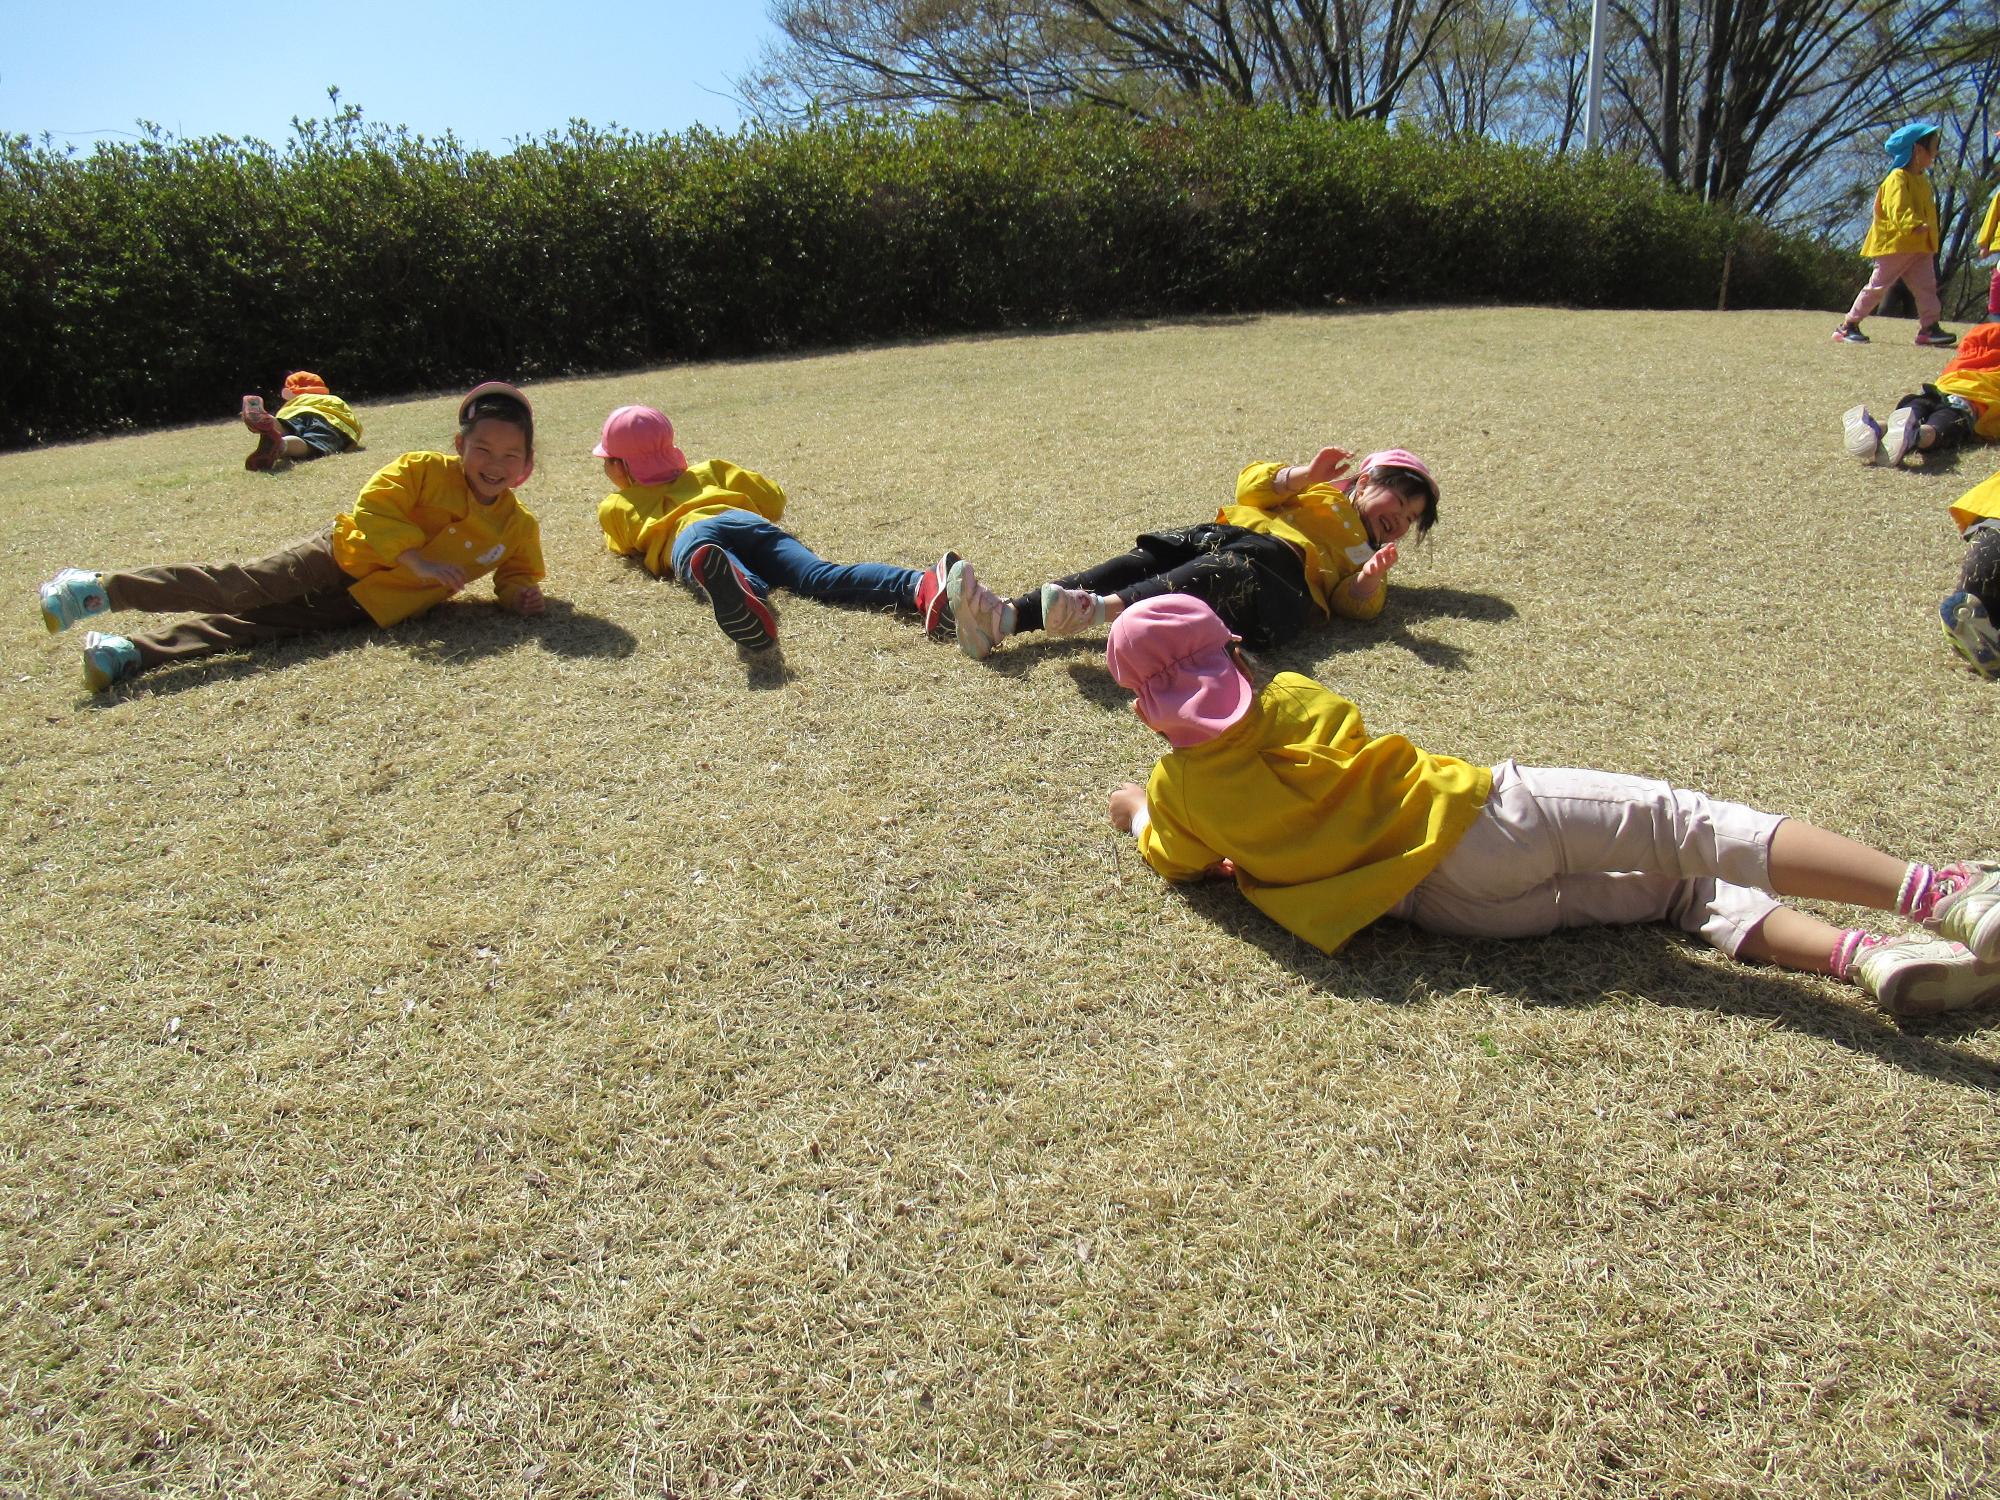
(642,439)
(1172,653)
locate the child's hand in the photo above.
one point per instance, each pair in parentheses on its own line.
(1369,579)
(1125,802)
(1327,465)
(527,601)
(1222,869)
(444,575)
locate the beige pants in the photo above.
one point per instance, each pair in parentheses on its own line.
(1560,848)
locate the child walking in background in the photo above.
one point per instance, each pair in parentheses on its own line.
(1903,238)
(312,423)
(714,525)
(421,530)
(1963,403)
(1968,612)
(1301,543)
(1325,830)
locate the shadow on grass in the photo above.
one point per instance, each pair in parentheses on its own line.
(1394,963)
(471,631)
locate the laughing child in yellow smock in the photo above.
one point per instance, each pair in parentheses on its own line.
(422,529)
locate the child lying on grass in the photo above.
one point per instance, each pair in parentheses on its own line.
(421,530)
(311,423)
(1325,830)
(1302,542)
(715,525)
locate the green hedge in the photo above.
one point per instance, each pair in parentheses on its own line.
(155,282)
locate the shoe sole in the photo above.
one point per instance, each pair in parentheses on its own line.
(972,640)
(1963,618)
(1935,988)
(744,618)
(939,620)
(1862,437)
(1899,436)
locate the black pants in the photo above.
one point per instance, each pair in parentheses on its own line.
(1952,424)
(1255,582)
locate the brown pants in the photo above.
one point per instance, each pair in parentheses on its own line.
(293,592)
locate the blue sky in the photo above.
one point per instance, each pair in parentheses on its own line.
(492,72)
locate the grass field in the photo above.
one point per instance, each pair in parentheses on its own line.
(500,1058)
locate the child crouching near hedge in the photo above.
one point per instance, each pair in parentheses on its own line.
(715,526)
(311,423)
(1325,830)
(1961,404)
(1303,542)
(422,529)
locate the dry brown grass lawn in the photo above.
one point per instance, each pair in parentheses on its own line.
(495,1060)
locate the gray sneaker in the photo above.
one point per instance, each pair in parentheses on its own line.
(1918,975)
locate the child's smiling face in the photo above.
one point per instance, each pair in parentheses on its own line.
(1388,515)
(495,452)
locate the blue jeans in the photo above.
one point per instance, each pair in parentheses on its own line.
(772,557)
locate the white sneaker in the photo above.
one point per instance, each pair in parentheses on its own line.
(981,614)
(1918,975)
(1970,914)
(1899,436)
(1862,434)
(1070,611)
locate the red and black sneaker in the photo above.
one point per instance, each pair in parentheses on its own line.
(744,617)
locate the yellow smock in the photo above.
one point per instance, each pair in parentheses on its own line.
(422,500)
(1327,828)
(1906,216)
(1322,523)
(645,518)
(335,410)
(1980,503)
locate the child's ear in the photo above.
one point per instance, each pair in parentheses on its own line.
(458,445)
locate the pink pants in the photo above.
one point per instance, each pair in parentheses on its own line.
(1917,269)
(1993,295)
(1562,848)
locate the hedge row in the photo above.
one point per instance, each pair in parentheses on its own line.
(154,282)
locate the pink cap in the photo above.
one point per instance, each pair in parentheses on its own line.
(1391,458)
(643,440)
(1172,653)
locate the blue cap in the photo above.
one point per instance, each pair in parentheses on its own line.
(1903,143)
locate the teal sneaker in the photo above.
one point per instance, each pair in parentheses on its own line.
(108,659)
(1969,912)
(73,595)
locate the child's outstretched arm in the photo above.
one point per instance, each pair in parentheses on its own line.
(1326,466)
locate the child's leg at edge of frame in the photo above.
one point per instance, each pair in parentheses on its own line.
(1979,575)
